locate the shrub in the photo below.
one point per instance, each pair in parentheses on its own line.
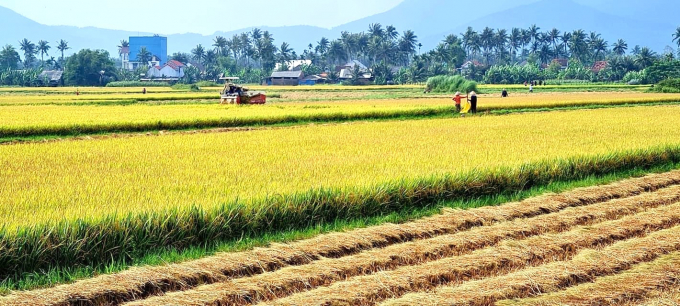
(668,86)
(451,84)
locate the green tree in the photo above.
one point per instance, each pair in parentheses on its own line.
(620,47)
(9,58)
(645,58)
(220,44)
(676,36)
(123,44)
(144,56)
(29,50)
(43,48)
(198,54)
(84,67)
(62,46)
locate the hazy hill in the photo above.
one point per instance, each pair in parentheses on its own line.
(567,15)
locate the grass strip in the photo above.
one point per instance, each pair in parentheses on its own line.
(290,280)
(628,287)
(18,133)
(66,244)
(585,267)
(508,257)
(146,281)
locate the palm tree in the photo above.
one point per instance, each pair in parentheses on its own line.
(198,53)
(566,36)
(515,41)
(620,47)
(554,35)
(284,52)
(376,30)
(29,51)
(578,44)
(676,36)
(62,46)
(144,56)
(408,43)
(534,32)
(600,47)
(322,45)
(645,58)
(123,44)
(220,44)
(391,32)
(43,48)
(468,37)
(336,52)
(487,41)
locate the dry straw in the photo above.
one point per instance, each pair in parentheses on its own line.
(507,257)
(585,267)
(324,272)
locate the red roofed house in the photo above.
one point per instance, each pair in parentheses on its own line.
(599,66)
(171,70)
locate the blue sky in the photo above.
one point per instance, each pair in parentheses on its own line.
(174,16)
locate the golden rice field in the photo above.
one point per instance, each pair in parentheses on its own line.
(89,179)
(37,120)
(173,171)
(616,244)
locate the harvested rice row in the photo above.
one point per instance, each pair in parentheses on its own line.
(505,258)
(290,280)
(142,282)
(628,287)
(584,267)
(661,298)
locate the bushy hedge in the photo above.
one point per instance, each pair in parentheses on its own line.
(451,84)
(137,84)
(668,86)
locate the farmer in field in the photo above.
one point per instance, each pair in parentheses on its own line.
(473,102)
(458,98)
(504,94)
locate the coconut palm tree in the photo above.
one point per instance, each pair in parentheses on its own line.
(391,32)
(123,44)
(676,36)
(336,52)
(600,47)
(408,43)
(515,41)
(29,49)
(198,53)
(620,47)
(468,37)
(376,30)
(534,32)
(645,58)
(284,52)
(220,44)
(566,36)
(62,46)
(144,56)
(554,35)
(43,48)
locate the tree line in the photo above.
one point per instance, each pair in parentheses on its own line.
(497,55)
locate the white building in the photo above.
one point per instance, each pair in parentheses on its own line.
(172,70)
(293,65)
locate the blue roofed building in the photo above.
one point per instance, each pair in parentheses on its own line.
(156,45)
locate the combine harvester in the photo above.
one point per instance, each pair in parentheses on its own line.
(236,94)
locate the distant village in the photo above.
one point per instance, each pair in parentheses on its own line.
(288,73)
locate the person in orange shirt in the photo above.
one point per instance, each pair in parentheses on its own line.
(458,98)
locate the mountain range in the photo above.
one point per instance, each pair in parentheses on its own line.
(647,23)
